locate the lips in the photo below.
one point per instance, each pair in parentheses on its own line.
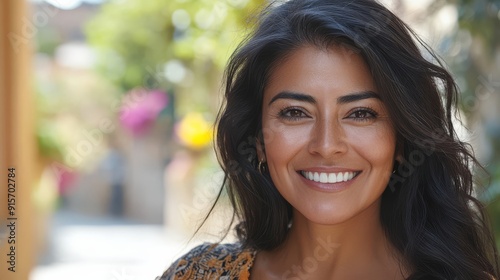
(326,177)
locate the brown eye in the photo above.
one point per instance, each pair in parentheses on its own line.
(292,114)
(363,114)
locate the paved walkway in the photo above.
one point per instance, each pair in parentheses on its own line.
(107,248)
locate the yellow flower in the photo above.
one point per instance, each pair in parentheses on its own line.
(194,131)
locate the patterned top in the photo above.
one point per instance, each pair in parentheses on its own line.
(212,261)
(215,261)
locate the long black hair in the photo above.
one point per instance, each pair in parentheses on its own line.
(427,210)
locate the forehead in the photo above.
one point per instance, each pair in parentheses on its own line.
(333,71)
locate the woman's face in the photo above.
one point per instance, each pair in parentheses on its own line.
(329,143)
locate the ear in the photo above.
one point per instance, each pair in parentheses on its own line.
(261,150)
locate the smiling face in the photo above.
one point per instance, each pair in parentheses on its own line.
(329,143)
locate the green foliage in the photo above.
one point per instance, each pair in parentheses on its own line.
(47,41)
(482,19)
(476,63)
(130,35)
(137,38)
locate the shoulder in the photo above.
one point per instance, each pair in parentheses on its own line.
(212,261)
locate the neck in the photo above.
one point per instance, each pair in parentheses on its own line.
(363,232)
(337,251)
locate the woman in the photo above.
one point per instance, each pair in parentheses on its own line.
(340,155)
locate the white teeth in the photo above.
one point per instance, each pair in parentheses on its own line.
(328,177)
(323,177)
(332,178)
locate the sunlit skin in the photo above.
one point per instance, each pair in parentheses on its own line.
(322,113)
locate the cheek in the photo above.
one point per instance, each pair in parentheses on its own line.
(282,142)
(377,143)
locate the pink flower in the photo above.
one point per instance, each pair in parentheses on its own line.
(140,108)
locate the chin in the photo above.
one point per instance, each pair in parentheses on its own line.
(334,213)
(326,217)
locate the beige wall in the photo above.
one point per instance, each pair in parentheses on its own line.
(17,141)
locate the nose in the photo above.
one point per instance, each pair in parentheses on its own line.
(327,139)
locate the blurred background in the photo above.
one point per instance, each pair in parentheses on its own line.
(107,115)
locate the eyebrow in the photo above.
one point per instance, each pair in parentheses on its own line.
(357,96)
(352,97)
(293,95)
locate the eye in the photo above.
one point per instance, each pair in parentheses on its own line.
(292,114)
(362,114)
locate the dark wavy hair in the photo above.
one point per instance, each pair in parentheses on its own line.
(428,210)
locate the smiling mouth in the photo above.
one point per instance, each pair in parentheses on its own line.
(323,177)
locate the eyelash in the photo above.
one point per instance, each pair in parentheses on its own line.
(283,114)
(363,110)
